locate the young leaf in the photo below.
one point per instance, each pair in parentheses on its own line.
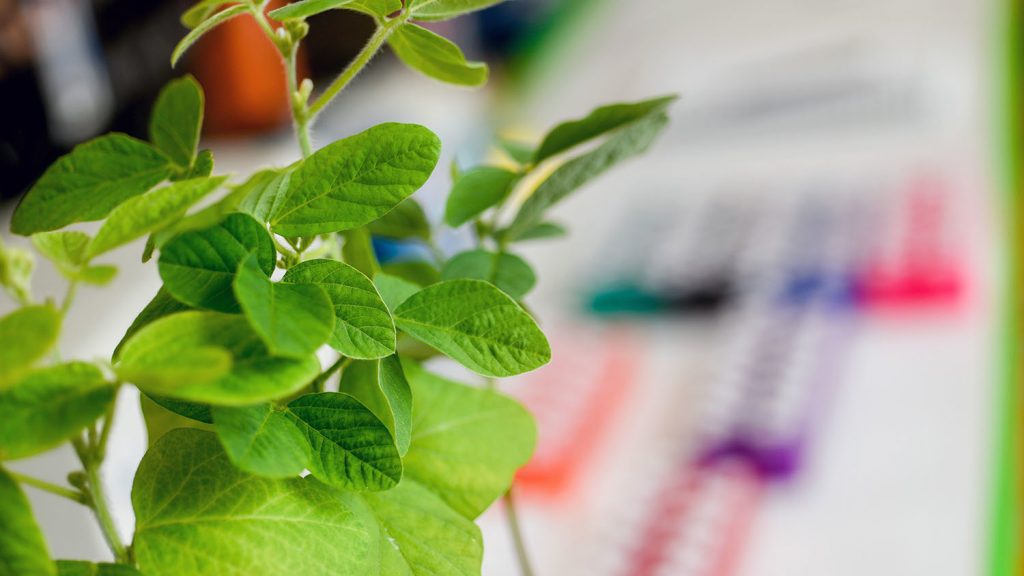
(381,386)
(352,448)
(363,327)
(428,10)
(543,231)
(65,248)
(394,290)
(205,26)
(16,266)
(49,406)
(476,324)
(198,267)
(89,182)
(520,152)
(26,335)
(510,273)
(83,568)
(179,341)
(477,190)
(407,220)
(305,8)
(202,10)
(207,217)
(420,534)
(264,192)
(358,251)
(201,167)
(22,547)
(198,514)
(467,443)
(627,142)
(177,120)
(141,215)
(100,274)
(435,56)
(262,441)
(163,304)
(599,122)
(354,181)
(293,320)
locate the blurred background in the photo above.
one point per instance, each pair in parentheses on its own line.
(778,337)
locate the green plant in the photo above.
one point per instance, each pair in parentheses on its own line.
(237,407)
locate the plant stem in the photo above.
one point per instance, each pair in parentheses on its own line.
(69,297)
(517,534)
(339,364)
(49,487)
(98,500)
(300,111)
(357,64)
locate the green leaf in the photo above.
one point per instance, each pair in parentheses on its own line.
(407,220)
(198,514)
(202,10)
(100,275)
(436,56)
(201,168)
(363,327)
(22,547)
(379,8)
(205,26)
(264,192)
(160,420)
(177,120)
(198,267)
(207,217)
(141,215)
(293,319)
(520,152)
(467,443)
(419,272)
(50,406)
(358,251)
(394,290)
(381,386)
(305,8)
(543,231)
(599,122)
(67,250)
(16,266)
(476,324)
(355,181)
(262,441)
(83,568)
(421,535)
(352,448)
(163,304)
(26,335)
(189,341)
(447,9)
(510,273)
(477,190)
(629,141)
(89,182)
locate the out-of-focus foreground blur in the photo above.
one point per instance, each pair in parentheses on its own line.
(781,339)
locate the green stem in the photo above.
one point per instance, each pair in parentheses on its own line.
(69,297)
(356,66)
(321,380)
(512,516)
(49,487)
(98,500)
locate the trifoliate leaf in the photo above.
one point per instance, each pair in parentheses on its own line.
(355,181)
(294,320)
(198,267)
(89,182)
(477,190)
(26,335)
(193,343)
(381,386)
(363,327)
(50,406)
(196,513)
(476,324)
(351,447)
(435,56)
(262,441)
(177,121)
(510,273)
